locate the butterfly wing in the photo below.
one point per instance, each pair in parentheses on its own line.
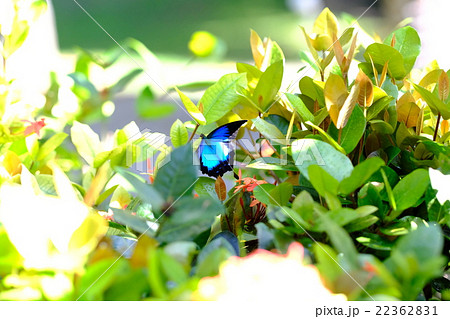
(215,150)
(226,132)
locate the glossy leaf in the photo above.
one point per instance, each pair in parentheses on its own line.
(268,86)
(307,152)
(360,174)
(221,97)
(300,107)
(192,108)
(352,131)
(410,188)
(435,104)
(268,130)
(205,186)
(407,42)
(382,53)
(313,89)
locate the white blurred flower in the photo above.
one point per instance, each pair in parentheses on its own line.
(263,276)
(440,182)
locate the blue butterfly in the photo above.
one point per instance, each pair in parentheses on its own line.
(215,151)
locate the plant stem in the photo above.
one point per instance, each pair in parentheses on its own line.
(274,176)
(437,127)
(361,146)
(193,133)
(339,136)
(245,150)
(251,138)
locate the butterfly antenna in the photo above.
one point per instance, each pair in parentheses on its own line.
(236,175)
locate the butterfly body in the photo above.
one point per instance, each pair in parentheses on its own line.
(215,150)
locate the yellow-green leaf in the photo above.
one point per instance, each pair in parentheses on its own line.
(326,23)
(192,108)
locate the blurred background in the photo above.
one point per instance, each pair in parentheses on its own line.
(166,27)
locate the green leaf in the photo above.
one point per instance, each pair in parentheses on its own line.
(189,218)
(360,174)
(148,108)
(10,257)
(221,97)
(136,223)
(206,186)
(210,265)
(86,141)
(46,184)
(312,89)
(375,241)
(192,108)
(378,106)
(252,72)
(124,81)
(15,39)
(279,121)
(361,223)
(272,163)
(116,156)
(99,277)
(50,145)
(325,136)
(300,107)
(178,134)
(343,216)
(309,59)
(310,47)
(409,190)
(407,42)
(145,192)
(268,86)
(417,258)
(82,81)
(306,152)
(220,248)
(325,184)
(326,262)
(433,101)
(177,177)
(172,268)
(270,131)
(401,226)
(281,194)
(263,193)
(382,53)
(322,181)
(276,54)
(381,127)
(351,132)
(369,194)
(341,241)
(140,287)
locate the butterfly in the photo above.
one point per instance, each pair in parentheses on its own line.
(215,150)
